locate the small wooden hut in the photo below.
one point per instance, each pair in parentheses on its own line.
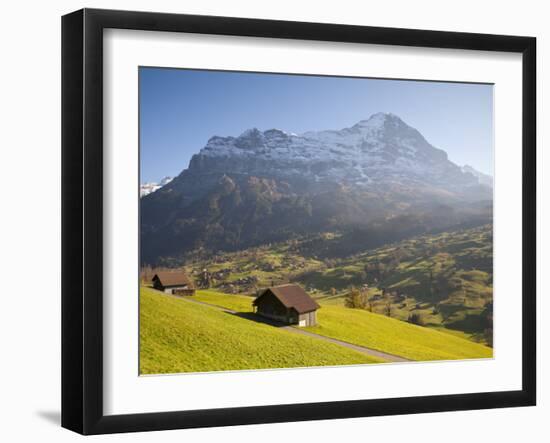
(173,282)
(288,304)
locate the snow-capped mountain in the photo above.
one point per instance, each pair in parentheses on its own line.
(379,176)
(371,153)
(148,188)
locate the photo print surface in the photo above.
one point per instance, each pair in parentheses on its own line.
(291,221)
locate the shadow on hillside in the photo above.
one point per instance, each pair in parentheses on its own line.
(257,318)
(471,323)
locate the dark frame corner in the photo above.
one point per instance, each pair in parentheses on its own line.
(82,151)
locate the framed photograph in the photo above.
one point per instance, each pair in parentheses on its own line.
(268,221)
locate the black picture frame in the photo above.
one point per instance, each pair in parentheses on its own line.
(82,239)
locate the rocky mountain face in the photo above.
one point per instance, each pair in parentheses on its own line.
(379,175)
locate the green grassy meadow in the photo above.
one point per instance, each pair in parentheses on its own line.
(374,331)
(239,303)
(181,336)
(394,336)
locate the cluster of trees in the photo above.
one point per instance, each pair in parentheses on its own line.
(358,298)
(416,319)
(205,279)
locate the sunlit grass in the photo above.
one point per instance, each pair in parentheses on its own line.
(180,336)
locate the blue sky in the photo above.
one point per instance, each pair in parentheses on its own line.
(181,109)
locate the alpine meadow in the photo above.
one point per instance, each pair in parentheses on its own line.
(300,245)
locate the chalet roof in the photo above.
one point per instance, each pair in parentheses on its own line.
(173,278)
(292,296)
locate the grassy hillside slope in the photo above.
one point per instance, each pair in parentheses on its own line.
(372,330)
(180,336)
(394,336)
(239,303)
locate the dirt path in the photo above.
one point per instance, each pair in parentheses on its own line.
(296,330)
(364,350)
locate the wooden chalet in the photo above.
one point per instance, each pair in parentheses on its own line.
(288,304)
(173,282)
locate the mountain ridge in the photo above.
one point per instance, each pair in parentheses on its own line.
(272,185)
(374,150)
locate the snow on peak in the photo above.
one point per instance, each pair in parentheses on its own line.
(275,132)
(252,132)
(382,145)
(148,188)
(165,180)
(375,121)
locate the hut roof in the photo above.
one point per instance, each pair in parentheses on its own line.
(173,278)
(292,296)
